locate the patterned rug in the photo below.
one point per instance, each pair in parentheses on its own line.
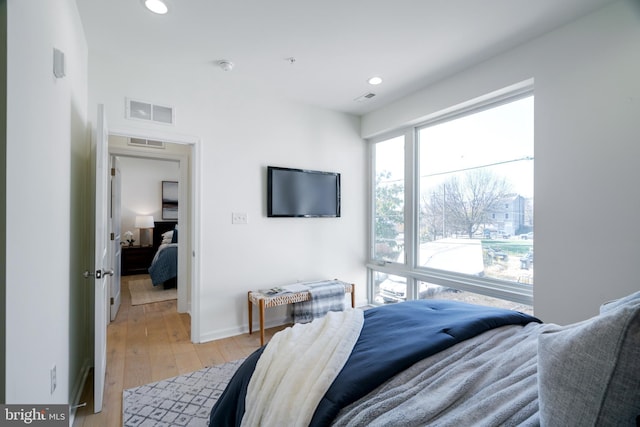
(185,400)
(143,292)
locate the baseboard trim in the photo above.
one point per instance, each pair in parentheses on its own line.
(78,388)
(232,332)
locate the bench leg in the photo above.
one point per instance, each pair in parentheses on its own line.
(250,313)
(262,322)
(353,296)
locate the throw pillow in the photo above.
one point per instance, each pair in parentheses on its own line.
(588,373)
(610,305)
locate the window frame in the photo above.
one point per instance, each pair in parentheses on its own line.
(502,289)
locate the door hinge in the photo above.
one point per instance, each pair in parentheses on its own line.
(111,300)
(113,171)
(113,236)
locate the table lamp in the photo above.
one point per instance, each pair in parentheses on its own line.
(144,223)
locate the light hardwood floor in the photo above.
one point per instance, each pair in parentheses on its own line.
(151,342)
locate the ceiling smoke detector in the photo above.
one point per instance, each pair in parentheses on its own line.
(225,65)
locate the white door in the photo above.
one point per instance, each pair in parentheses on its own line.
(102,269)
(114,226)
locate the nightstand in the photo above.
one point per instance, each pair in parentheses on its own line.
(136,259)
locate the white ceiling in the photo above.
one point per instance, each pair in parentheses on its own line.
(337,44)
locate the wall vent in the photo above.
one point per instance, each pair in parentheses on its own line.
(140,142)
(141,110)
(365,97)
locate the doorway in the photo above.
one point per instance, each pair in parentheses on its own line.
(181,156)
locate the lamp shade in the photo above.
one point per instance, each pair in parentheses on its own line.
(144,221)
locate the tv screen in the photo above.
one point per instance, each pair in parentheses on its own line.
(302,193)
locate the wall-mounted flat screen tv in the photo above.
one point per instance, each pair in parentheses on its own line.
(302,193)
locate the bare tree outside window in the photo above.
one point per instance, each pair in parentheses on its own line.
(463,204)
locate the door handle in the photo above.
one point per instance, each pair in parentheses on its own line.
(108,273)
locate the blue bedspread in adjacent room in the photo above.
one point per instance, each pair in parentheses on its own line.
(165,264)
(393,338)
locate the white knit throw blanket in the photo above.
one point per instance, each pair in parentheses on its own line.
(297,367)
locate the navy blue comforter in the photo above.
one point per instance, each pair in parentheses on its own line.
(393,338)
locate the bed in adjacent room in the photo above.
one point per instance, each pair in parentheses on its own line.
(164,267)
(446,363)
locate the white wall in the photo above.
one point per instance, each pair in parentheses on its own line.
(142,189)
(587,106)
(47,146)
(241,131)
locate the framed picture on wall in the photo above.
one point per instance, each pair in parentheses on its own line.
(169,199)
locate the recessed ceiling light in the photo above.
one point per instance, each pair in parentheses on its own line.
(156,6)
(375,80)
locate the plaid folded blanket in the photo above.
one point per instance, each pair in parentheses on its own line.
(326,296)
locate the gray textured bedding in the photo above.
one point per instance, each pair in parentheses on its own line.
(586,373)
(488,380)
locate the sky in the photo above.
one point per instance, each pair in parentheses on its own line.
(502,134)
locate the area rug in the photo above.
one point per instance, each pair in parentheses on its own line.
(185,400)
(143,292)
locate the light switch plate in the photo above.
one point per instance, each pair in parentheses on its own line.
(239,218)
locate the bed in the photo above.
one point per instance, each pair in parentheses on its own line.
(445,363)
(164,266)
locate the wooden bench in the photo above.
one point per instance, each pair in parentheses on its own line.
(265,301)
